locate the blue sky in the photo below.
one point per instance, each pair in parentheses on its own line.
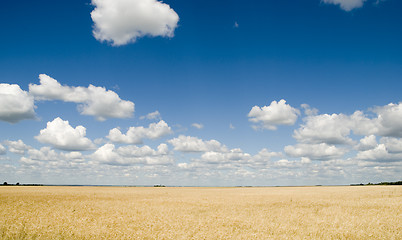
(241,93)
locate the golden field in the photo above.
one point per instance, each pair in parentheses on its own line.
(368,212)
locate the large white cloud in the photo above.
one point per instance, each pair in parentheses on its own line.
(320,151)
(123,21)
(277,113)
(231,156)
(93,101)
(61,135)
(131,155)
(346,5)
(18,147)
(337,128)
(394,145)
(379,154)
(194,144)
(324,128)
(135,135)
(46,154)
(15,103)
(389,120)
(366,143)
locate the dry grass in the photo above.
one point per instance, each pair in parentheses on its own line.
(372,212)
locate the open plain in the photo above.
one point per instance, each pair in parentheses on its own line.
(369,212)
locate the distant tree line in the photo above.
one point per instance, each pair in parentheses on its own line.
(18,184)
(381,183)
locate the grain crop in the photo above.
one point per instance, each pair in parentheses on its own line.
(342,212)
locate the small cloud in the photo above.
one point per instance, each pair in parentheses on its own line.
(346,5)
(197,125)
(99,141)
(152,116)
(231,126)
(236,25)
(3,150)
(308,110)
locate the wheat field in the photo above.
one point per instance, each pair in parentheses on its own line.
(369,212)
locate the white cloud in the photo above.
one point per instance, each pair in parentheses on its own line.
(15,104)
(393,145)
(18,147)
(61,135)
(277,113)
(120,22)
(336,128)
(331,129)
(346,5)
(46,154)
(233,155)
(3,150)
(308,110)
(366,143)
(197,125)
(152,116)
(264,155)
(136,135)
(231,126)
(389,119)
(379,154)
(93,101)
(194,144)
(131,155)
(320,151)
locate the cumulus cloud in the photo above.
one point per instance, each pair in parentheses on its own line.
(46,154)
(393,145)
(379,154)
(136,135)
(152,116)
(93,101)
(264,155)
(120,22)
(320,151)
(233,155)
(366,143)
(197,125)
(61,135)
(3,150)
(277,113)
(194,144)
(337,128)
(233,159)
(15,103)
(18,147)
(389,120)
(130,155)
(346,5)
(330,129)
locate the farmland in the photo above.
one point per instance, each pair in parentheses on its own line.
(367,212)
